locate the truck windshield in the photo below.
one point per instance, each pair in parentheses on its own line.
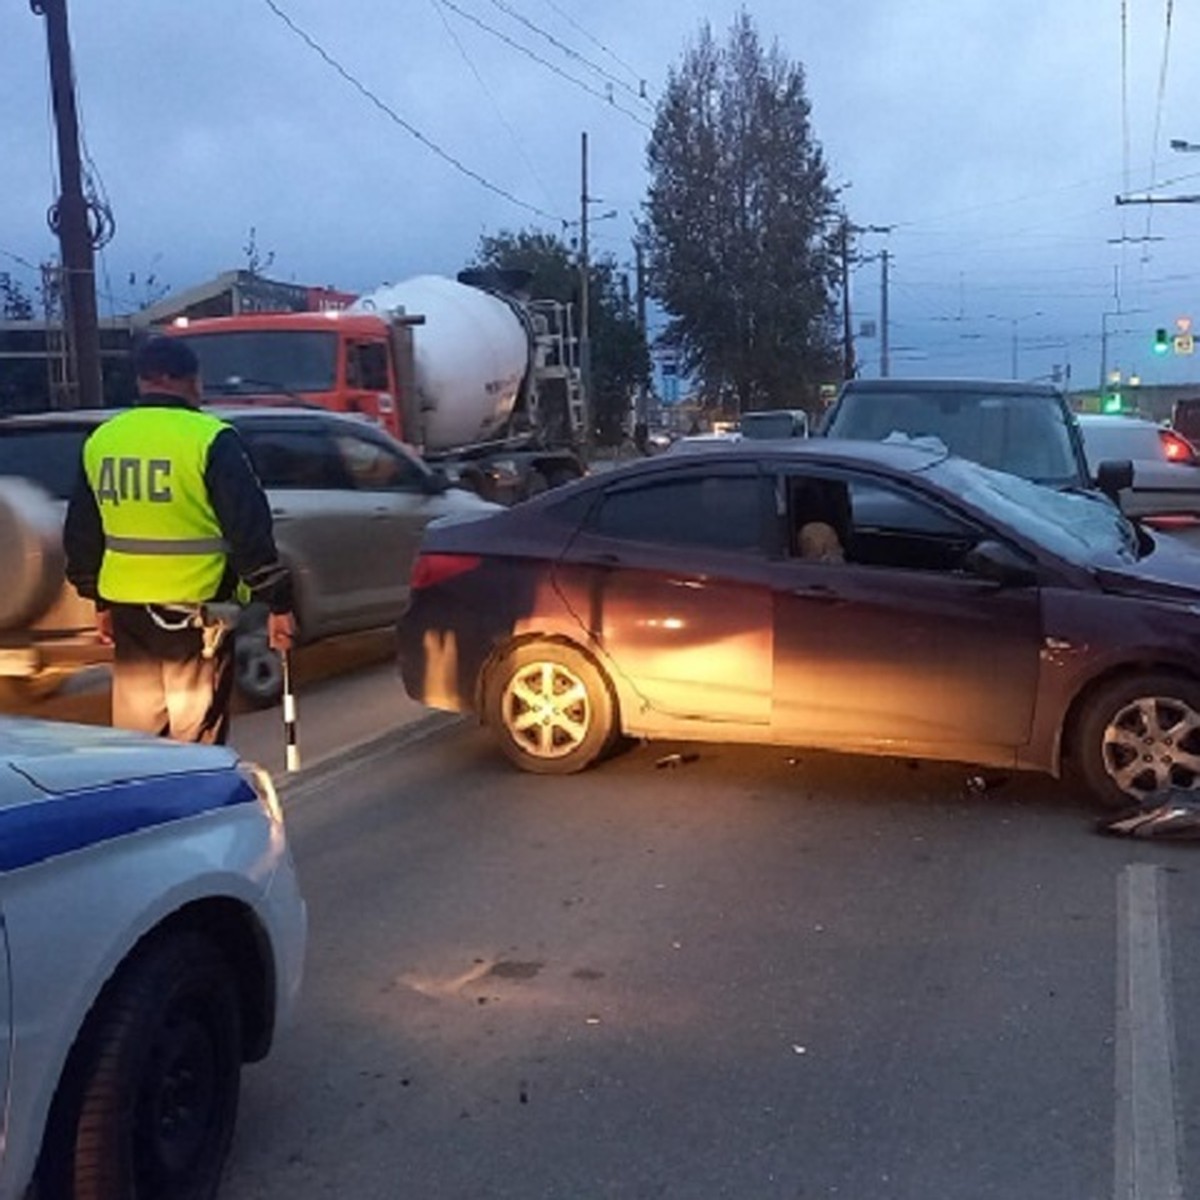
(293,360)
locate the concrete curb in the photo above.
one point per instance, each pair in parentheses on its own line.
(337,762)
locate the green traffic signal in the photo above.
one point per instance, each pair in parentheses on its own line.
(1112,402)
(1162,343)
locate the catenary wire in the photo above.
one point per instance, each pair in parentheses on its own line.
(407,126)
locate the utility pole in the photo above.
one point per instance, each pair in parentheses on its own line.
(69,217)
(641,417)
(848,368)
(585,343)
(884,346)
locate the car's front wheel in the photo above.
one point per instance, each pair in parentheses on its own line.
(148,1101)
(550,707)
(1139,737)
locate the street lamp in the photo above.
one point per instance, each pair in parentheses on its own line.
(1128,312)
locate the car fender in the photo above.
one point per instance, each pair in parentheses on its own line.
(220,855)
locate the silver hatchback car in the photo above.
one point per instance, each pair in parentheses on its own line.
(349,501)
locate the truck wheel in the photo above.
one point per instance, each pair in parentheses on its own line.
(550,707)
(148,1099)
(1139,736)
(561,475)
(535,484)
(258,670)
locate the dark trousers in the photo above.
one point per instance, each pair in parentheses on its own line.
(163,684)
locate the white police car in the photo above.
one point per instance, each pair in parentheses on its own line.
(151,941)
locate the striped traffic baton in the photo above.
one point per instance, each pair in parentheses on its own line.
(291,750)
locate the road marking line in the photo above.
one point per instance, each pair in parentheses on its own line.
(1147,1131)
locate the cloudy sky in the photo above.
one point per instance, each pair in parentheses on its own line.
(369,140)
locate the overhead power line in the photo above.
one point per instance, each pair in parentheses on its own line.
(508,9)
(570,20)
(407,126)
(537,58)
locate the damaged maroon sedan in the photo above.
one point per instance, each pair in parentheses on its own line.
(867,598)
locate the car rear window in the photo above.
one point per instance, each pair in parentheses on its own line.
(48,457)
(1024,434)
(1118,440)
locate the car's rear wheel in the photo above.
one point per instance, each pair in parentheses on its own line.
(550,707)
(148,1101)
(1138,737)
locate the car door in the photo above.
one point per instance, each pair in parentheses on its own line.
(5,1031)
(394,490)
(897,643)
(322,524)
(669,577)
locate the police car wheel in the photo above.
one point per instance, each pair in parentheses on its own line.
(258,670)
(148,1101)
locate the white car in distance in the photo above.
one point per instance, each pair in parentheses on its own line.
(152,937)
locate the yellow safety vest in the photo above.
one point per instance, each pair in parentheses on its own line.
(162,541)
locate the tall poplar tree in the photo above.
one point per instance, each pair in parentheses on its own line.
(740,223)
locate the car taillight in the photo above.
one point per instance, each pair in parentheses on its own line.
(431,569)
(1176,447)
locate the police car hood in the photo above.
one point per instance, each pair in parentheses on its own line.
(51,757)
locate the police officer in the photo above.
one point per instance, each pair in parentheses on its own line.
(167,516)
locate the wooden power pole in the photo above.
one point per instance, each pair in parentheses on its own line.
(69,218)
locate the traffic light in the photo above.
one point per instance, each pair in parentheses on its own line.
(1162,341)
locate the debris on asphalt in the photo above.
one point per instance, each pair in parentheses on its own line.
(1171,815)
(675,760)
(592,1020)
(976,785)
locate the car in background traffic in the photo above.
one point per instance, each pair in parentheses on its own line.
(1166,469)
(948,611)
(1185,418)
(774,423)
(349,504)
(152,937)
(1027,429)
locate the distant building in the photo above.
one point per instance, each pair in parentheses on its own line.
(33,358)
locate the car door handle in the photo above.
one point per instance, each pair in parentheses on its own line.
(279,514)
(820,593)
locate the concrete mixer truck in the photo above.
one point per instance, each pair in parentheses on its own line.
(480,381)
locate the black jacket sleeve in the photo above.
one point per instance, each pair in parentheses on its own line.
(244,513)
(83,539)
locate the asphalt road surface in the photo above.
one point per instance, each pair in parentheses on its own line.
(751,974)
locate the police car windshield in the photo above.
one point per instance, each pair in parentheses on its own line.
(293,360)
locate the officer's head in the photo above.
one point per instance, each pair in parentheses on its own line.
(166,364)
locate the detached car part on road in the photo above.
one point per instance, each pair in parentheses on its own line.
(349,503)
(951,612)
(152,938)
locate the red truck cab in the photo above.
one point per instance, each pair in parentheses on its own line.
(339,361)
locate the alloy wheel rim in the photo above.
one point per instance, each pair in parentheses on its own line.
(546,710)
(1152,744)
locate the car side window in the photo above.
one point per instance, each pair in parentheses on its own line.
(294,458)
(722,512)
(374,467)
(869,523)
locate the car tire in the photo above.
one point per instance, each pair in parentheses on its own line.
(148,1101)
(1137,736)
(551,708)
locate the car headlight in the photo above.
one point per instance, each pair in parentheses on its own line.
(259,778)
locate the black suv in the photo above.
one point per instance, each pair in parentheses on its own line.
(1025,429)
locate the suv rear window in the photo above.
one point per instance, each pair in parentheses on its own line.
(1022,433)
(49,457)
